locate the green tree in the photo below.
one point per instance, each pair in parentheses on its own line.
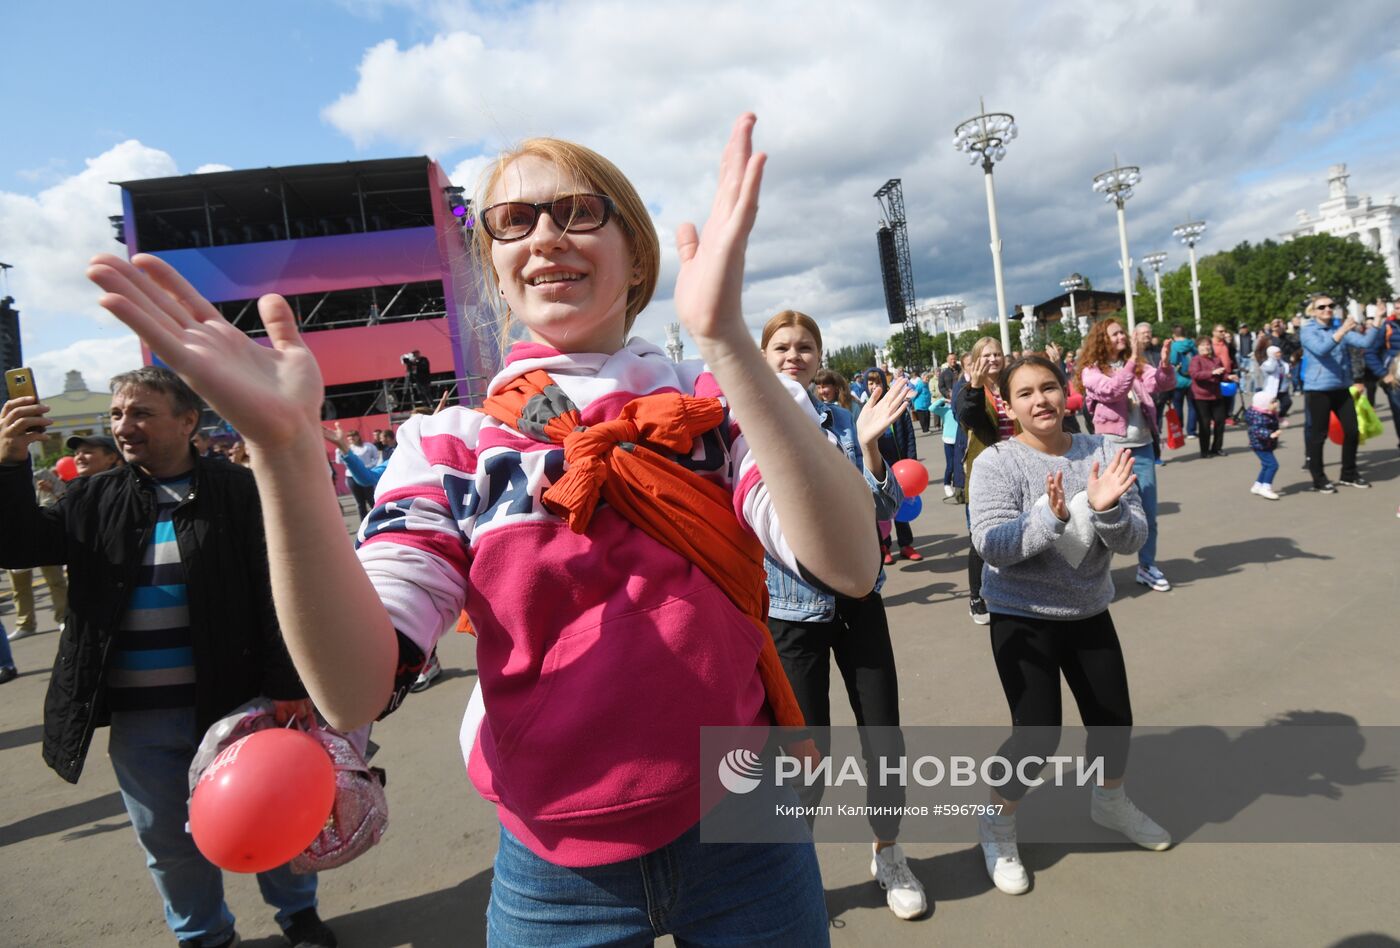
(925,355)
(850,361)
(1218,300)
(1278,277)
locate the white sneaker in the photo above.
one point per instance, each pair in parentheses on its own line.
(18,634)
(1002,858)
(1254,488)
(1152,577)
(1122,816)
(903,893)
(1266,492)
(428,675)
(949,490)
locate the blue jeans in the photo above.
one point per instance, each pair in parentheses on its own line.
(7,658)
(702,893)
(1268,466)
(151,753)
(1145,467)
(949,449)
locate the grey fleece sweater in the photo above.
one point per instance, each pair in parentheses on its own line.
(1027,552)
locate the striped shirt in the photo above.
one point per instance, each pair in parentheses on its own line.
(153,654)
(1006,425)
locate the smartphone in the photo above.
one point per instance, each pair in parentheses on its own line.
(20,382)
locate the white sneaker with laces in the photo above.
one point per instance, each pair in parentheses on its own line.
(949,490)
(1002,857)
(1267,492)
(1152,577)
(428,675)
(903,893)
(1121,815)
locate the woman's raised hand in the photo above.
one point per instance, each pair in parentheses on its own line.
(1055,493)
(272,395)
(711,279)
(1106,490)
(879,413)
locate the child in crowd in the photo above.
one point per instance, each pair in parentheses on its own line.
(942,409)
(1262,418)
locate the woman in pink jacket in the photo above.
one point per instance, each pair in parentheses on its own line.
(1118,384)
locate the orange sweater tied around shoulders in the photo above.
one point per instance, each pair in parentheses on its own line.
(620,461)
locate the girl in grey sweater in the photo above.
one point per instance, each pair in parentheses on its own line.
(1049,509)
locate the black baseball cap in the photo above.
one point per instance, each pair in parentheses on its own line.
(101,441)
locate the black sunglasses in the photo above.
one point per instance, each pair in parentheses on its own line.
(1324,305)
(574,213)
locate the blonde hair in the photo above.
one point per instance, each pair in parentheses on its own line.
(591,169)
(791,317)
(981,345)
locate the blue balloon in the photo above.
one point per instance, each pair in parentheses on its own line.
(909,510)
(1228,389)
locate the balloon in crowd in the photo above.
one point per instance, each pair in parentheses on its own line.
(912,477)
(262,801)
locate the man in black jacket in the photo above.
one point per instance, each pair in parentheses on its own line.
(171,627)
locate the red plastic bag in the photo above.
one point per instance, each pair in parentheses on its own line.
(1176,438)
(1334,430)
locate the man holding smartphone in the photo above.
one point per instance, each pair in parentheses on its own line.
(171,627)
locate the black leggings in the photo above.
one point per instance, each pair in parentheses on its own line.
(860,638)
(974,560)
(1210,412)
(1030,656)
(1321,406)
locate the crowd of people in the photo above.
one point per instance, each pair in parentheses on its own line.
(708,532)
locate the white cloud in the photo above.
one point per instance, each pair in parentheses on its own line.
(211,168)
(48,238)
(97,359)
(848,96)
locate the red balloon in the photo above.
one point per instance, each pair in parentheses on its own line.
(263,800)
(66,468)
(912,476)
(1334,430)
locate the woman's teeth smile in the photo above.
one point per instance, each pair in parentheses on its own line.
(557,277)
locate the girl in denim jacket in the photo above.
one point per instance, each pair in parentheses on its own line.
(809,622)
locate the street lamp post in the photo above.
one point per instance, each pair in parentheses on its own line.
(984,138)
(1190,234)
(1155,261)
(1069,284)
(1117,185)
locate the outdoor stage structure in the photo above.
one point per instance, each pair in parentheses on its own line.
(372,256)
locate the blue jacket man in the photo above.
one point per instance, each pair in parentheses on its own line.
(1327,380)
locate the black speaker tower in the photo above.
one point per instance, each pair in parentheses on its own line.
(897,270)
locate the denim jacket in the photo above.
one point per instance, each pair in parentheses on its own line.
(796,599)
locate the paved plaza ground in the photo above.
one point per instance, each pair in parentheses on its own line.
(1277,607)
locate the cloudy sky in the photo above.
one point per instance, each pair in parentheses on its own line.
(1234,111)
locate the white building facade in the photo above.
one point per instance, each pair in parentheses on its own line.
(930,317)
(1355,217)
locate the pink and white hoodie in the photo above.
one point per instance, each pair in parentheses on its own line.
(600,655)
